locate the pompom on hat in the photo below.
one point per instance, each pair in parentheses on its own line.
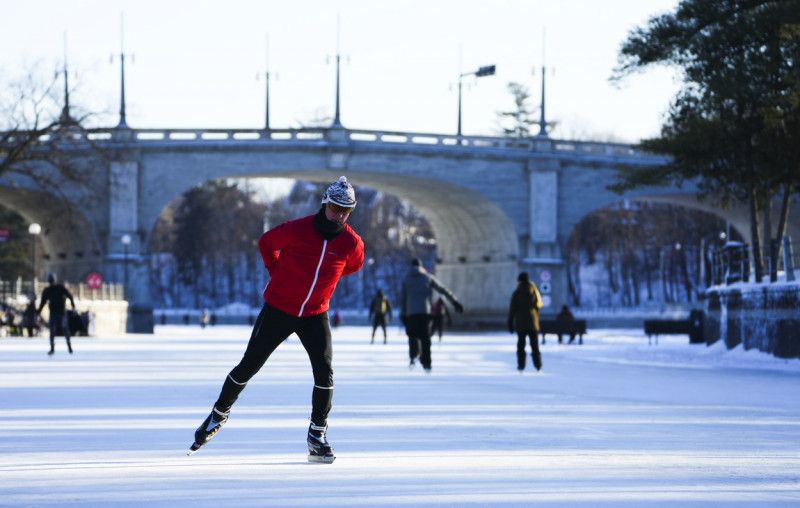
(340,193)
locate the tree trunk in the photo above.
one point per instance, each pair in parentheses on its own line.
(768,248)
(687,281)
(783,221)
(755,233)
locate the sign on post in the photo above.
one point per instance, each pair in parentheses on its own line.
(94,280)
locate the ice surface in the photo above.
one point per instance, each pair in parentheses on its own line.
(613,422)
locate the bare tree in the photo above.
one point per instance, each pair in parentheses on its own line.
(43,142)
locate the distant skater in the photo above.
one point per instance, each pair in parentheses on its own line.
(417,311)
(379,310)
(55,296)
(523,317)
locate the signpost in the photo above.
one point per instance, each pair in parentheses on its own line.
(94,280)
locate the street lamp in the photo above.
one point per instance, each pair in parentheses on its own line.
(34,229)
(126,240)
(487,70)
(371,263)
(720,235)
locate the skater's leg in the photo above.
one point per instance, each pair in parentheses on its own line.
(270,330)
(425,353)
(53,329)
(535,354)
(413,345)
(520,350)
(315,335)
(418,328)
(66,332)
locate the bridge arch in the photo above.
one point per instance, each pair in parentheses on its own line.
(69,236)
(477,242)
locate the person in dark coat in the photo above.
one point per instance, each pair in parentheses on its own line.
(29,318)
(523,317)
(56,296)
(440,313)
(416,312)
(379,309)
(566,317)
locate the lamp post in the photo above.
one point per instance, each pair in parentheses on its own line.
(487,70)
(720,235)
(371,264)
(34,229)
(126,240)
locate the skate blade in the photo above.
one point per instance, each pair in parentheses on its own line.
(320,459)
(193,449)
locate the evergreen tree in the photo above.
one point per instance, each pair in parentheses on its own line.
(522,117)
(733,127)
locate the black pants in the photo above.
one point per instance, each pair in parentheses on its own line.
(535,354)
(418,329)
(58,322)
(379,320)
(271,328)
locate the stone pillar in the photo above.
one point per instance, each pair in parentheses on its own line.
(122,259)
(543,260)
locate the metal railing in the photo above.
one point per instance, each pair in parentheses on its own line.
(734,262)
(535,144)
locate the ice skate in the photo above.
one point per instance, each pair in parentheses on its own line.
(319,450)
(207,429)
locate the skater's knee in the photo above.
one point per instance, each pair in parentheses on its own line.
(323,374)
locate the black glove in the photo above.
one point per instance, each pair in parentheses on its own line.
(459,308)
(510,326)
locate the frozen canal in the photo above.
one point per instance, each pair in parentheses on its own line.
(614,422)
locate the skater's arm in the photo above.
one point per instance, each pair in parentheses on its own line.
(69,297)
(438,286)
(356,260)
(42,301)
(271,243)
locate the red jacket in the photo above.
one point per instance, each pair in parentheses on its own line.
(304,267)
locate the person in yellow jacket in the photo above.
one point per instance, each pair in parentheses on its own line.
(523,317)
(379,309)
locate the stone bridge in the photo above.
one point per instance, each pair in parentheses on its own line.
(496,205)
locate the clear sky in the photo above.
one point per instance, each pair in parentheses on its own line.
(194,64)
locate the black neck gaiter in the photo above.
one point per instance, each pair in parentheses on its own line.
(327,228)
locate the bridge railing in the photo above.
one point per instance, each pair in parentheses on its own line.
(535,144)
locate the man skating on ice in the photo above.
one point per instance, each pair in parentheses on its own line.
(305,259)
(416,311)
(56,296)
